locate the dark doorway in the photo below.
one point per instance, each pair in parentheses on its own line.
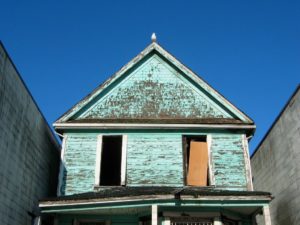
(110,173)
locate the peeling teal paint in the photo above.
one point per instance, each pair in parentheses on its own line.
(79,163)
(154,159)
(228,161)
(177,68)
(154,90)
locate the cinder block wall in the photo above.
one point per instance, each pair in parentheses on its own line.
(29,152)
(276,165)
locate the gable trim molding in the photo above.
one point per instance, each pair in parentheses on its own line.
(155,47)
(147,126)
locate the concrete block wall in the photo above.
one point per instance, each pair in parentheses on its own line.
(29,152)
(276,165)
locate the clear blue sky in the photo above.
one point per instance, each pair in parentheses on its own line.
(248,50)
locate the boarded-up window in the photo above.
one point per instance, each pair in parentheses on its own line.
(196,156)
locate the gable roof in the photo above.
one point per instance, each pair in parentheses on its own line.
(238,116)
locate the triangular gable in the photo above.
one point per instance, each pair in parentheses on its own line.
(154,85)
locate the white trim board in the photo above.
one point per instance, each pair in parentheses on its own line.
(98,160)
(61,165)
(139,126)
(124,159)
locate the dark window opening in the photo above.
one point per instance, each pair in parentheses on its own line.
(110,173)
(196,160)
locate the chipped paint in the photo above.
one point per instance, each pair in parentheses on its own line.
(154,91)
(155,49)
(154,159)
(228,161)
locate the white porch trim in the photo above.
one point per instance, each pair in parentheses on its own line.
(154,217)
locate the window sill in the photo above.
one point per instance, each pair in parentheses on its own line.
(98,187)
(204,187)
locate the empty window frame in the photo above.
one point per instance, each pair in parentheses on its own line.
(196,160)
(111,160)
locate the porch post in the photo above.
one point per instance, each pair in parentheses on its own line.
(267,216)
(217,220)
(167,221)
(154,215)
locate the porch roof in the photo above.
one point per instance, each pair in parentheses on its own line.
(128,194)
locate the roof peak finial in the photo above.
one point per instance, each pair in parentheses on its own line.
(153,37)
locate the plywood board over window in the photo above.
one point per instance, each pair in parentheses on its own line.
(196,156)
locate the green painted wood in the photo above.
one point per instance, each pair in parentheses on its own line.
(153,159)
(204,205)
(228,161)
(154,90)
(79,163)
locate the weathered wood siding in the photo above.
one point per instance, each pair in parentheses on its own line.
(153,90)
(228,161)
(153,159)
(79,163)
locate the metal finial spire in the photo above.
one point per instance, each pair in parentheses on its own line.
(153,37)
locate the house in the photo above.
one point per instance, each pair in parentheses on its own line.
(155,144)
(29,151)
(276,166)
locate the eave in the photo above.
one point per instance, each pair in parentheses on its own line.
(89,205)
(131,126)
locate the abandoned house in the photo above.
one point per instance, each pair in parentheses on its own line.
(275,164)
(29,151)
(155,144)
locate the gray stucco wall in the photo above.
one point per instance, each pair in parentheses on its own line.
(29,153)
(276,165)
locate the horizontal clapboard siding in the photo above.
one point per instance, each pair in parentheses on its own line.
(153,159)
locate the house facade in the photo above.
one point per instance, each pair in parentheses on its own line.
(275,164)
(29,151)
(155,144)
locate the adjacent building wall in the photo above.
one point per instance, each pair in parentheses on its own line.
(29,152)
(276,164)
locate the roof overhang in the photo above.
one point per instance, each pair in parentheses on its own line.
(63,126)
(165,202)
